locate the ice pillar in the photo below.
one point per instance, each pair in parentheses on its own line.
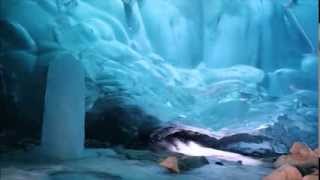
(64,111)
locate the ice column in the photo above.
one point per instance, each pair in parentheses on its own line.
(64,111)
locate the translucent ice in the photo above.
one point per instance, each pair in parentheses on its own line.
(64,109)
(223,64)
(14,36)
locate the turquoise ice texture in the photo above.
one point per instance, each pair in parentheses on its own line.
(226,65)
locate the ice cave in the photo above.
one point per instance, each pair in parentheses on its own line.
(159,89)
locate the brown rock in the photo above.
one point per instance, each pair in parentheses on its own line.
(295,161)
(180,163)
(317,152)
(301,156)
(302,150)
(316,172)
(171,163)
(285,172)
(311,177)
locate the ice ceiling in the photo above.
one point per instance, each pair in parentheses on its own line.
(227,65)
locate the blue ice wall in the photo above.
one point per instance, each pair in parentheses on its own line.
(240,65)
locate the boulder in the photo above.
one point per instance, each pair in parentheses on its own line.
(171,164)
(316,172)
(295,161)
(187,163)
(311,177)
(317,152)
(285,172)
(300,149)
(300,156)
(176,164)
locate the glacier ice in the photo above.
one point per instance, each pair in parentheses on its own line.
(64,109)
(225,65)
(14,36)
(179,41)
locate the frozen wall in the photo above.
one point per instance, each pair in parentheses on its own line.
(175,30)
(265,34)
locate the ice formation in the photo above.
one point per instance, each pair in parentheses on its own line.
(64,109)
(227,65)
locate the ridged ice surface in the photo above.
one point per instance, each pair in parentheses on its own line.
(226,65)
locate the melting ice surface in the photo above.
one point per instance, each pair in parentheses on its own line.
(226,65)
